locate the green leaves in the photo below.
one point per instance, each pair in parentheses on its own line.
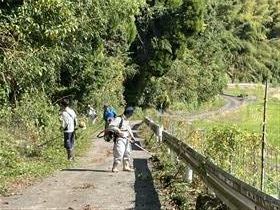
(249,24)
(235,150)
(64,47)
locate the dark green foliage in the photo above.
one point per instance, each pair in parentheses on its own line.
(66,48)
(204,42)
(183,47)
(164,29)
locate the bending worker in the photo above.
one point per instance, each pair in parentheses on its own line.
(122,145)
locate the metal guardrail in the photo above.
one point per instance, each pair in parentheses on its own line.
(232,191)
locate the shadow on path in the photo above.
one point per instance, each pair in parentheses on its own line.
(146,196)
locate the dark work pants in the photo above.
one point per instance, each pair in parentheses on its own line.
(69,140)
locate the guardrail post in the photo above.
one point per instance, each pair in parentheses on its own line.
(278,189)
(211,192)
(168,151)
(159,133)
(189,174)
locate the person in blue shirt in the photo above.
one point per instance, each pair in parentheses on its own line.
(109,114)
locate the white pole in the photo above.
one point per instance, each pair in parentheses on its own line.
(189,174)
(159,133)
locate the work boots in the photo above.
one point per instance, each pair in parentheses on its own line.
(70,155)
(115,167)
(126,166)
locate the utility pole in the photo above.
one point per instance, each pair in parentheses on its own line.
(264,136)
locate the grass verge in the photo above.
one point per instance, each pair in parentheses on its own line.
(21,164)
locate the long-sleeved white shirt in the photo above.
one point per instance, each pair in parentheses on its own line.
(69,120)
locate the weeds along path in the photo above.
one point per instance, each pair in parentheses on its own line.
(91,185)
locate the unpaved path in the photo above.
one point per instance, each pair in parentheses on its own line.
(91,185)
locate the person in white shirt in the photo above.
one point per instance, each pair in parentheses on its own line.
(69,122)
(122,145)
(92,114)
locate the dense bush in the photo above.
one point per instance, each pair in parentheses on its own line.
(187,50)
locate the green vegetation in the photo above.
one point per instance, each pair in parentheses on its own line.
(213,104)
(187,50)
(168,175)
(23,161)
(247,148)
(155,53)
(250,117)
(233,140)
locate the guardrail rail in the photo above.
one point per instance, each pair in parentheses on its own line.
(235,193)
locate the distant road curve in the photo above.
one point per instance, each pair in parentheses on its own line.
(232,103)
(245,84)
